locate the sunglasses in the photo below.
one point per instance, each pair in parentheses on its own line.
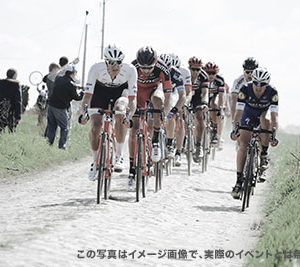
(211,72)
(261,84)
(249,71)
(147,67)
(195,69)
(114,62)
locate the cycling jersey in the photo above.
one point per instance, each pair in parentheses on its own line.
(197,86)
(253,107)
(216,86)
(148,84)
(238,84)
(186,75)
(103,88)
(176,79)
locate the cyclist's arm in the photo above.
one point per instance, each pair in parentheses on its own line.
(131,106)
(167,88)
(240,106)
(274,110)
(132,89)
(221,100)
(234,97)
(204,94)
(90,86)
(181,100)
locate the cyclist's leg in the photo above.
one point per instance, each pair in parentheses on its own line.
(94,135)
(199,130)
(132,148)
(157,100)
(121,104)
(179,139)
(214,119)
(265,124)
(241,158)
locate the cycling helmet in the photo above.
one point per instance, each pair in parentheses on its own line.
(250,64)
(166,59)
(146,56)
(211,67)
(261,75)
(113,53)
(175,60)
(195,62)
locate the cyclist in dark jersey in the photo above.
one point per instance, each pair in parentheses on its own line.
(254,101)
(216,89)
(199,100)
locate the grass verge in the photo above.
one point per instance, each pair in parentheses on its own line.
(280,236)
(26,150)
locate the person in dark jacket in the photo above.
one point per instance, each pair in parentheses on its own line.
(10,101)
(64,91)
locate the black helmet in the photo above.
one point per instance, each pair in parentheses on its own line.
(146,56)
(250,64)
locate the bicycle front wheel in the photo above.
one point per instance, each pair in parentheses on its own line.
(248,180)
(139,168)
(101,167)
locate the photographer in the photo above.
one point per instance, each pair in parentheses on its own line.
(64,92)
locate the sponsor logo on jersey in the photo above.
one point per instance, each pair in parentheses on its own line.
(275,98)
(242,96)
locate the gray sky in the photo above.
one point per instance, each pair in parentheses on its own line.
(35,33)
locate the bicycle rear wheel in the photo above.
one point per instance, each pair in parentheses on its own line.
(101,168)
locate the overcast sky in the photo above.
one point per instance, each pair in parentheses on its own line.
(35,33)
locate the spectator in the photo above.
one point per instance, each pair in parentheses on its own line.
(64,92)
(50,77)
(10,101)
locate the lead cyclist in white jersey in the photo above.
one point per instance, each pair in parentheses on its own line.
(110,79)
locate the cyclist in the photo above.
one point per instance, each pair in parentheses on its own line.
(151,73)
(177,101)
(249,65)
(254,100)
(110,79)
(216,89)
(186,75)
(199,102)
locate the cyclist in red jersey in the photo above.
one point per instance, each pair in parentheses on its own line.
(151,73)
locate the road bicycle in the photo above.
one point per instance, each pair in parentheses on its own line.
(251,170)
(142,157)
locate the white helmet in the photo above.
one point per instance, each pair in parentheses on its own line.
(175,60)
(261,75)
(166,59)
(114,53)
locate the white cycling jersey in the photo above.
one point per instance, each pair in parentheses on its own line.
(238,84)
(186,75)
(127,74)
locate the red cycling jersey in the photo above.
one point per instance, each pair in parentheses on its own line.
(148,84)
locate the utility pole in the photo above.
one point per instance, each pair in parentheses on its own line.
(103,19)
(84,51)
